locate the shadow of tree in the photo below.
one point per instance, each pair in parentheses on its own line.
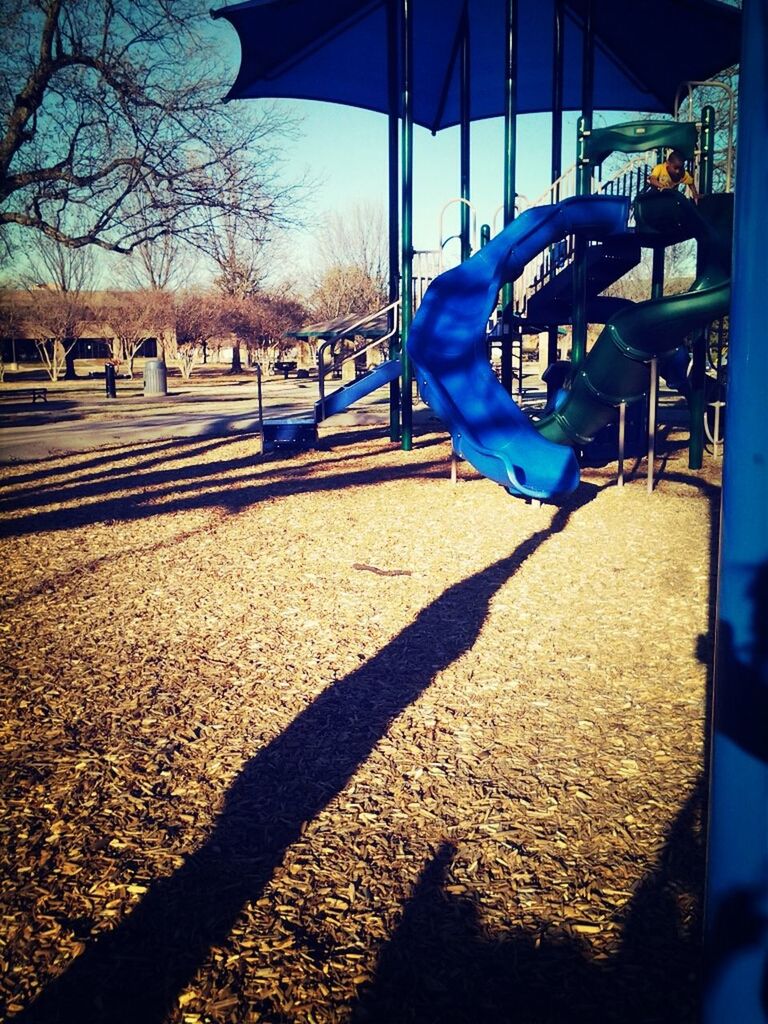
(26,413)
(147,490)
(96,488)
(134,973)
(442,967)
(95,461)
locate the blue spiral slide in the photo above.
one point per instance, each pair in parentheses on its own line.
(448,348)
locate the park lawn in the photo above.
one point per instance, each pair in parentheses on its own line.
(326,738)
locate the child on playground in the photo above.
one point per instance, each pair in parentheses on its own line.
(671,174)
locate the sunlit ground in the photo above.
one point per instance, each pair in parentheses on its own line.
(328,739)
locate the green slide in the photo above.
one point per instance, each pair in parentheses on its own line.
(616,368)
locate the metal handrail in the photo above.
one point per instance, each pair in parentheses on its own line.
(518,209)
(392,306)
(539,268)
(624,172)
(711,84)
(445,240)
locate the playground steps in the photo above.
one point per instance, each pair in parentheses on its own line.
(607,261)
(600,309)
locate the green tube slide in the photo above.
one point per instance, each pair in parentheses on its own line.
(617,368)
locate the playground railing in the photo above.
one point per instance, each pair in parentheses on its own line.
(324,364)
(627,180)
(730,119)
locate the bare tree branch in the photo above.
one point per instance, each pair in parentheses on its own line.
(112,132)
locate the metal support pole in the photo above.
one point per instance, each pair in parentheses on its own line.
(510,173)
(707,160)
(454,467)
(622,442)
(394,216)
(583,186)
(657,291)
(261,407)
(464,138)
(579,318)
(653,401)
(556,168)
(657,272)
(736,900)
(406,230)
(507,375)
(697,401)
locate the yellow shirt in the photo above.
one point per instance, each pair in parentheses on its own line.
(661,174)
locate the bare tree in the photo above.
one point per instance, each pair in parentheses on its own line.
(58,282)
(55,320)
(158,265)
(342,289)
(357,238)
(236,247)
(260,323)
(197,319)
(129,319)
(9,323)
(111,112)
(352,263)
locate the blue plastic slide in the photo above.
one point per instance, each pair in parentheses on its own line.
(448,347)
(343,397)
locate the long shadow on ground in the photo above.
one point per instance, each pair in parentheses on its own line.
(441,967)
(133,974)
(140,492)
(92,464)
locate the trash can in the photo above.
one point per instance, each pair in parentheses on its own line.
(155,379)
(110,379)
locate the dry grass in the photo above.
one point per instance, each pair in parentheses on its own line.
(250,778)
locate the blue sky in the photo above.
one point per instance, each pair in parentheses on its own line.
(346,149)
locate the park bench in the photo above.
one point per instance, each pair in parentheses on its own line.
(41,393)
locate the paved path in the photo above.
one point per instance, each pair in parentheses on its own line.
(70,422)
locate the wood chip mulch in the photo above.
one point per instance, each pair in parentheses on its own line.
(327,739)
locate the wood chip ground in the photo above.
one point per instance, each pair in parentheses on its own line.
(324,738)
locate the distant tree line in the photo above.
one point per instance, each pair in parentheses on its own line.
(186,324)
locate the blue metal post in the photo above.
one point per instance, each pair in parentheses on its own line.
(736,910)
(395,349)
(406,227)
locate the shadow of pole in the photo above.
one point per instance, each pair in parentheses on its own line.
(133,974)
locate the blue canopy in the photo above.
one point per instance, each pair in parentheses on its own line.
(337,51)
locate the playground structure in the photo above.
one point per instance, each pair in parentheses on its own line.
(447,340)
(448,348)
(736,888)
(543,298)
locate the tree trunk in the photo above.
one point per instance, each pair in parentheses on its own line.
(69,360)
(237,366)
